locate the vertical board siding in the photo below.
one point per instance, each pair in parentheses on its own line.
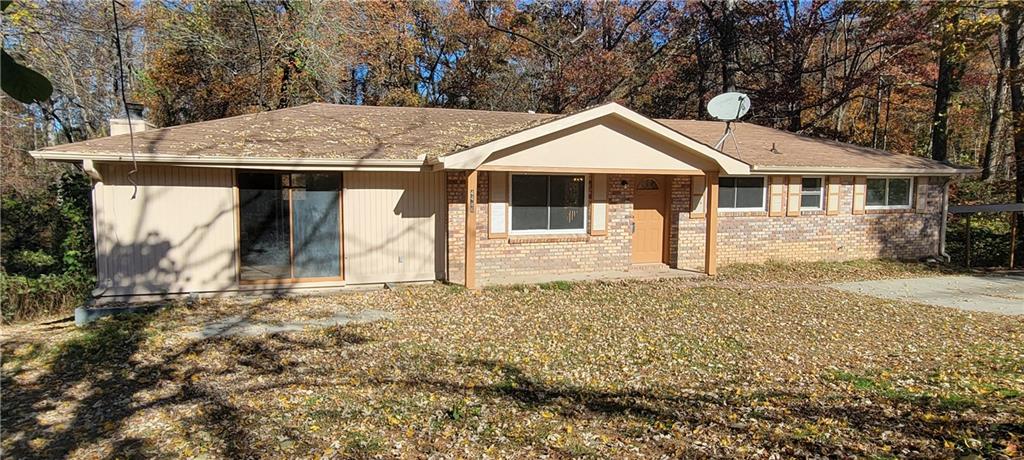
(394,226)
(697,187)
(776,200)
(921,194)
(835,184)
(176,236)
(793,201)
(860,190)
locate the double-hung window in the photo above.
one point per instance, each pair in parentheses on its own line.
(548,203)
(741,193)
(888,192)
(811,194)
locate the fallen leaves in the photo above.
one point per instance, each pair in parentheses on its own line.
(616,369)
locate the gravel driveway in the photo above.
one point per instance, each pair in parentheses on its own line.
(991,293)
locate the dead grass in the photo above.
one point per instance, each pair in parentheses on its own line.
(622,369)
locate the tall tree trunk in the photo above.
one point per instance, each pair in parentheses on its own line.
(995,119)
(702,71)
(878,113)
(1013,42)
(794,122)
(728,45)
(888,109)
(943,93)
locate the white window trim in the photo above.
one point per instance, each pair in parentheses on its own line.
(764,196)
(565,231)
(910,193)
(821,194)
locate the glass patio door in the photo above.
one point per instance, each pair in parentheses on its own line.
(289,226)
(315,232)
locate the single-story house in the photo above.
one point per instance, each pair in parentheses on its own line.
(326,195)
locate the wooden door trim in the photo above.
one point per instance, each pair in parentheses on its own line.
(341,225)
(665,203)
(667,190)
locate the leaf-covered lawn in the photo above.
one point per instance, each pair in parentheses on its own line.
(626,369)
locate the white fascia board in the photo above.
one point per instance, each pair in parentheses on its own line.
(472,158)
(343,164)
(833,171)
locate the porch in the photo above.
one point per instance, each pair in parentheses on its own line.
(582,227)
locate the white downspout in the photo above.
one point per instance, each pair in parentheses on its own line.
(89,167)
(942,225)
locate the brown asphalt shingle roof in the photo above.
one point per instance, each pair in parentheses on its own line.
(755,148)
(325,131)
(331,131)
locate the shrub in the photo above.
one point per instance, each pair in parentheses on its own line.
(30,262)
(990,232)
(47,247)
(990,240)
(25,298)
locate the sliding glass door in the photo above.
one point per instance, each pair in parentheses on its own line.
(315,233)
(289,226)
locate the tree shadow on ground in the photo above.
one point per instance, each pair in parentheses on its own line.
(110,373)
(710,408)
(103,375)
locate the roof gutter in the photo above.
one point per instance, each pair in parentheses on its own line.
(300,164)
(949,171)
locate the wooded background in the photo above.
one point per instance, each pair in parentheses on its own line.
(938,79)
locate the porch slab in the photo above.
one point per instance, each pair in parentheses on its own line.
(637,272)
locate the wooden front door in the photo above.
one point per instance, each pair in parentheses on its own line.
(649,220)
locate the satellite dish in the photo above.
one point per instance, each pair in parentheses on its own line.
(729,106)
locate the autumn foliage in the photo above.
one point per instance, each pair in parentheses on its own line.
(927,78)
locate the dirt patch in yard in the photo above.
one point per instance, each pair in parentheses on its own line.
(621,369)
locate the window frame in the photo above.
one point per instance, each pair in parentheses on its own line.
(764,195)
(559,231)
(288,190)
(887,179)
(821,194)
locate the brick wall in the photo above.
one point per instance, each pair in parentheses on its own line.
(541,254)
(814,236)
(746,237)
(456,191)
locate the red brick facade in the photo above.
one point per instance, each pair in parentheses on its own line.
(744,237)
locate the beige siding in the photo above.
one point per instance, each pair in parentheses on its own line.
(176,236)
(610,144)
(394,226)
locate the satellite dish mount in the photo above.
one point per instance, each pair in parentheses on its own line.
(729,107)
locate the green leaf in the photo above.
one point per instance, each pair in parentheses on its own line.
(4,4)
(23,83)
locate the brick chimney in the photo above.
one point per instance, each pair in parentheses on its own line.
(139,123)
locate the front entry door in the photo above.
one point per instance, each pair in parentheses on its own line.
(649,220)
